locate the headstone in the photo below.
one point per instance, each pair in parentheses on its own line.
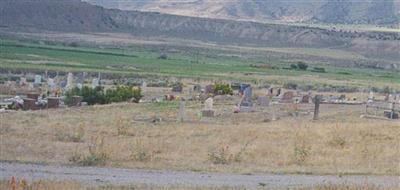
(38,79)
(33,95)
(391,98)
(95,83)
(70,81)
(263,101)
(246,104)
(53,102)
(305,99)
(287,97)
(209,89)
(271,92)
(30,104)
(197,88)
(75,101)
(208,104)
(243,87)
(342,97)
(371,97)
(181,113)
(79,85)
(51,84)
(22,81)
(177,88)
(247,95)
(208,110)
(144,84)
(278,93)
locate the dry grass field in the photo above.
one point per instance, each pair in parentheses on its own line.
(49,185)
(148,136)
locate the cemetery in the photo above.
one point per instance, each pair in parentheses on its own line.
(83,89)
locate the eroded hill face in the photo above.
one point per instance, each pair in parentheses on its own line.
(76,16)
(382,12)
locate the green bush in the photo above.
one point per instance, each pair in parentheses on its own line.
(222,89)
(90,95)
(123,93)
(99,96)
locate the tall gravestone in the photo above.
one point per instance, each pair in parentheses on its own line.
(181,113)
(246,104)
(208,110)
(70,81)
(95,83)
(38,79)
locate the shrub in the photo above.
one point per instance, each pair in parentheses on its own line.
(290,85)
(302,66)
(97,154)
(98,96)
(163,56)
(222,89)
(89,95)
(293,66)
(123,93)
(142,153)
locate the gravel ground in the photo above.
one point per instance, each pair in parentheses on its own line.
(113,176)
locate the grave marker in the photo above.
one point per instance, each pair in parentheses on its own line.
(181,113)
(263,101)
(208,110)
(287,97)
(38,79)
(70,81)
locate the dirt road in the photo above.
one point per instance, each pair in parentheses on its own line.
(113,176)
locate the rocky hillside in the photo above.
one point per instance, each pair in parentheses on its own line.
(381,12)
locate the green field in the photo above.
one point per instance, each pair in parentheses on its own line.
(192,62)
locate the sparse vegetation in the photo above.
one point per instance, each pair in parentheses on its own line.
(68,135)
(97,154)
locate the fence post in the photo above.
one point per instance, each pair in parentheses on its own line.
(317,101)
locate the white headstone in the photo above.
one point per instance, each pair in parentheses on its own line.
(79,85)
(22,81)
(95,83)
(38,79)
(70,81)
(371,97)
(50,83)
(208,104)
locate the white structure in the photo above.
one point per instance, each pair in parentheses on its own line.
(38,79)
(70,81)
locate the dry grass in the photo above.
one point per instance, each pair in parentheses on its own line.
(339,143)
(53,185)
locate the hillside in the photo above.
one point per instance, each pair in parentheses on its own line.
(79,17)
(381,12)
